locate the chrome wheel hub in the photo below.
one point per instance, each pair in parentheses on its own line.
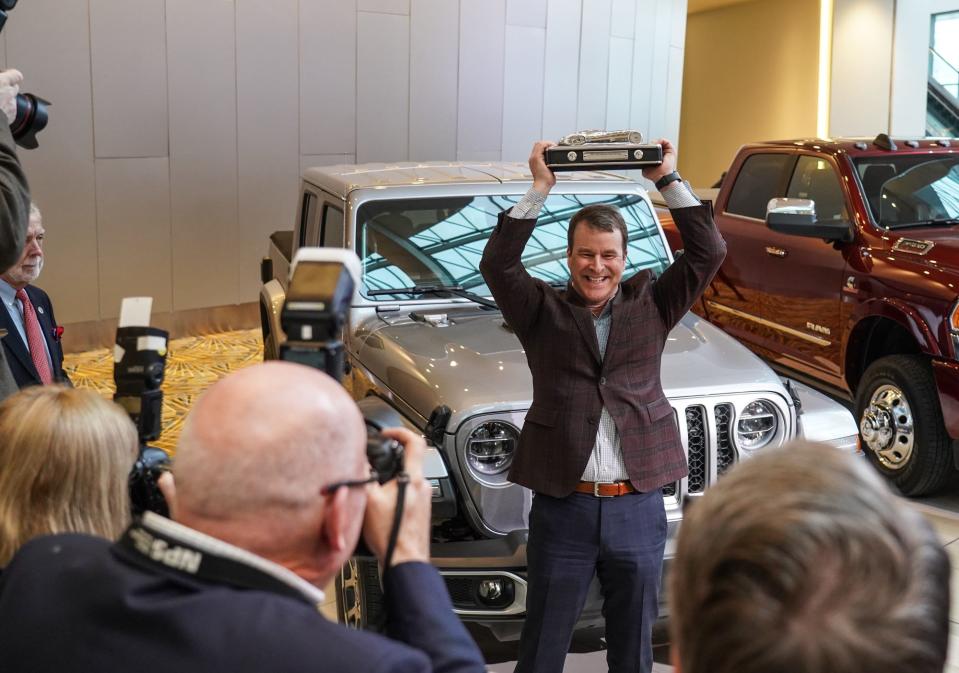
(887,427)
(350,595)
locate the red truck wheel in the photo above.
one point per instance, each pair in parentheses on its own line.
(900,422)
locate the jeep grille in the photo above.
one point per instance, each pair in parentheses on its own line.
(698,439)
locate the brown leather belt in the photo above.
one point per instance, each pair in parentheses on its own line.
(605,489)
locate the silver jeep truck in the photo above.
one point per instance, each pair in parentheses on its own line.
(427,348)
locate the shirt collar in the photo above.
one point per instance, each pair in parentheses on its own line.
(212,545)
(7,293)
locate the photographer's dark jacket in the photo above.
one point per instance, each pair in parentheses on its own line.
(78,603)
(14,218)
(572,382)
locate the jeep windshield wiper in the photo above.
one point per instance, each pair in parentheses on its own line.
(455,290)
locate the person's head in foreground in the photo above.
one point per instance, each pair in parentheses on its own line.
(801,561)
(65,456)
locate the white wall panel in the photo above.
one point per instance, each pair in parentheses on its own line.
(327,76)
(203,160)
(594,65)
(561,76)
(382,87)
(678,32)
(133,227)
(434,57)
(619,87)
(660,70)
(644,46)
(674,95)
(267,133)
(523,101)
(128,53)
(308,161)
(384,6)
(480,101)
(623,21)
(531,13)
(859,96)
(48,40)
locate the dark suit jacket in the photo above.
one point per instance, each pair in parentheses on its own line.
(14,218)
(14,201)
(75,603)
(18,357)
(571,383)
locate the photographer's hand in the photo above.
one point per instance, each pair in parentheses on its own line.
(9,88)
(413,541)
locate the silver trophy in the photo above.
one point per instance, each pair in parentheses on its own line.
(596,150)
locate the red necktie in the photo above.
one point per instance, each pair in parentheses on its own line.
(34,338)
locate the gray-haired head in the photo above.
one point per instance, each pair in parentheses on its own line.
(800,561)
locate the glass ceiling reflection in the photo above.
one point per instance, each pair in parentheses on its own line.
(440,240)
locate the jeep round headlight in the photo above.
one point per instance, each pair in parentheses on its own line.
(490,447)
(758,424)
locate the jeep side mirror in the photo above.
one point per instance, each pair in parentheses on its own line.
(797,217)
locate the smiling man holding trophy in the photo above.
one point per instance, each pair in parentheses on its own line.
(600,439)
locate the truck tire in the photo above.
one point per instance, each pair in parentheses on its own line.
(359,598)
(900,422)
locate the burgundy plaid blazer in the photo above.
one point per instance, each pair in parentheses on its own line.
(571,383)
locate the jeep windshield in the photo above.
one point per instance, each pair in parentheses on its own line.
(405,244)
(911,190)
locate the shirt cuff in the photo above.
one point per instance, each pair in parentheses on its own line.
(529,206)
(679,195)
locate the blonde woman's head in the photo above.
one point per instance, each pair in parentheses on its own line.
(65,456)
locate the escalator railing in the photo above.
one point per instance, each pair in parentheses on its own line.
(942,100)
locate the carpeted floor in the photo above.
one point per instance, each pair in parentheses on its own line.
(192,364)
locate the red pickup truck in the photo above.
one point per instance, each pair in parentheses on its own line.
(849,280)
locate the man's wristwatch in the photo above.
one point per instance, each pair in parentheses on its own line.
(667,179)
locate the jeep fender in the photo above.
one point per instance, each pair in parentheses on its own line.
(379,411)
(272,296)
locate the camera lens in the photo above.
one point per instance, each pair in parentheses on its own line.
(32,117)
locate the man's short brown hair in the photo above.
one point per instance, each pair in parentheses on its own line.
(800,561)
(601,217)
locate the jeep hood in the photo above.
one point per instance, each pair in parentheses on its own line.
(468,360)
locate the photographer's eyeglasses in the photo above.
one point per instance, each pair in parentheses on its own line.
(350,483)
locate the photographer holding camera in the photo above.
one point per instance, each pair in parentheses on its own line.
(15,195)
(272,491)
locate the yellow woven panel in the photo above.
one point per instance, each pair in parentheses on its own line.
(193,363)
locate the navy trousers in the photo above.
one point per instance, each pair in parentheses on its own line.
(621,540)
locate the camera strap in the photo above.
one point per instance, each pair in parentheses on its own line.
(155,550)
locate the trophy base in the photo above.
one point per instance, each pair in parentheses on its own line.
(603,157)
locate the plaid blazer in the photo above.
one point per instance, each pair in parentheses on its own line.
(572,383)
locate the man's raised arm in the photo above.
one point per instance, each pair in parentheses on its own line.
(518,295)
(14,193)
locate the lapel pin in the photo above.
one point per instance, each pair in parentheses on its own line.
(40,310)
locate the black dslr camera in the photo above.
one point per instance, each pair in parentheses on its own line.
(322,284)
(138,370)
(32,111)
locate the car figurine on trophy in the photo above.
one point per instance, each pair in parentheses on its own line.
(603,150)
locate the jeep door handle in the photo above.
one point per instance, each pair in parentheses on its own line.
(776,252)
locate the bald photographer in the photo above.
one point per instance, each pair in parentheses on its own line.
(272,492)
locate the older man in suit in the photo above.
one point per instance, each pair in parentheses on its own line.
(600,439)
(32,342)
